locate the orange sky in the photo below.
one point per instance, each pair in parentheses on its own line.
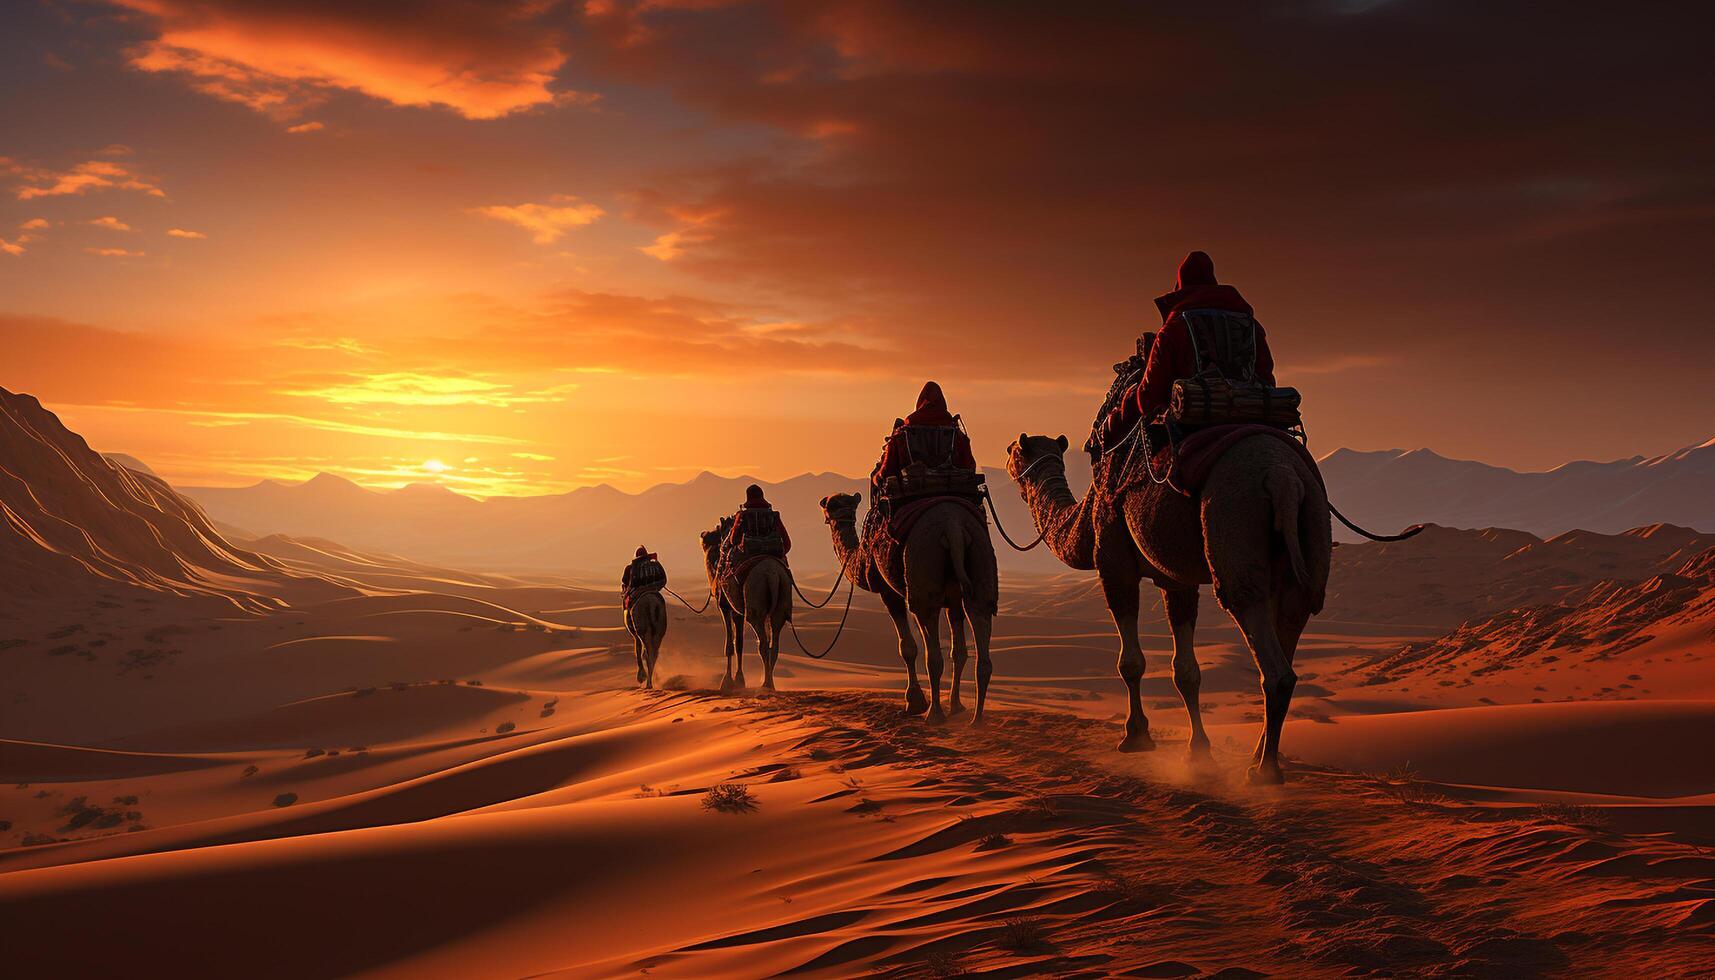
(521,247)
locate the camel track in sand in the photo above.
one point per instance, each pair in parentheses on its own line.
(1149,871)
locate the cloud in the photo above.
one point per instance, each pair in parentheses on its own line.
(35,224)
(15,247)
(92,175)
(109,222)
(308,127)
(545,222)
(182,233)
(421,389)
(481,60)
(115,253)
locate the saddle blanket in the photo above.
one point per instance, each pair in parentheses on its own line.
(1201,450)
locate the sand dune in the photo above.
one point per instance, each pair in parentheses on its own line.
(872,846)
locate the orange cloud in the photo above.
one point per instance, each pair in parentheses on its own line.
(115,253)
(545,222)
(182,233)
(91,175)
(13,247)
(482,60)
(109,222)
(34,224)
(309,127)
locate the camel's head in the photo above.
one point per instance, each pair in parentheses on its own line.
(713,539)
(1028,450)
(840,508)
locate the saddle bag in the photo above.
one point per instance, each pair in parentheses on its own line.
(1212,400)
(917,481)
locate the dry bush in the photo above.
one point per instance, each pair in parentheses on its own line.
(285,799)
(1404,785)
(1023,934)
(729,798)
(504,727)
(993,841)
(1576,814)
(944,963)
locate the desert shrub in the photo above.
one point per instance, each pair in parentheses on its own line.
(993,841)
(505,727)
(474,683)
(312,753)
(944,963)
(1576,814)
(248,772)
(1023,934)
(285,799)
(1404,785)
(729,798)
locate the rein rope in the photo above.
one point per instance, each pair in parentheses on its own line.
(1410,532)
(998,526)
(844,566)
(851,588)
(694,611)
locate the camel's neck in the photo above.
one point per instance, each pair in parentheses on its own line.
(1061,517)
(847,546)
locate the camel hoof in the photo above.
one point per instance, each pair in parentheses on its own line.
(1265,774)
(955,709)
(768,685)
(978,721)
(1141,742)
(915,702)
(937,716)
(1199,752)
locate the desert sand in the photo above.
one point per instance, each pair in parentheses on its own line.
(274,756)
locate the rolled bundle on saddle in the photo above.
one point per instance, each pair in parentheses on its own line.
(1225,388)
(1213,400)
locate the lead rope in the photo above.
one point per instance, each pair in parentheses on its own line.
(851,587)
(831,592)
(1410,532)
(694,611)
(996,513)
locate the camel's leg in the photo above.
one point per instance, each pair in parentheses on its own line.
(1257,621)
(1289,626)
(765,649)
(915,702)
(981,625)
(652,653)
(929,624)
(956,626)
(1121,588)
(726,621)
(738,625)
(1187,675)
(637,648)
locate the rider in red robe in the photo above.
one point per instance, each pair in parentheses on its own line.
(931,412)
(1171,359)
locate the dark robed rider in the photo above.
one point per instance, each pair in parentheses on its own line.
(931,413)
(757,519)
(1171,358)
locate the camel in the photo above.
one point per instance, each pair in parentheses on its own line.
(948,563)
(646,621)
(763,599)
(1259,532)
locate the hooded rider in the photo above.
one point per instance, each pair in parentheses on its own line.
(757,527)
(1172,358)
(931,413)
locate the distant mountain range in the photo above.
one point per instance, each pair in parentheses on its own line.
(593,530)
(1390,489)
(589,532)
